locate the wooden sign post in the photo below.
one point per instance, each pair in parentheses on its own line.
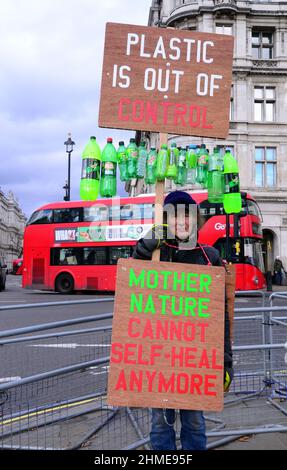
(168,326)
(167,341)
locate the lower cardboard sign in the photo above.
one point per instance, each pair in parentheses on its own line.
(168,336)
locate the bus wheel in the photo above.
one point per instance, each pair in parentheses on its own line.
(64,283)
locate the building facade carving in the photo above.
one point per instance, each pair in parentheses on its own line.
(12,223)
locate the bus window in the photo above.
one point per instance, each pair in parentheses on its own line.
(253,253)
(253,208)
(148,211)
(96,213)
(67,256)
(65,216)
(95,256)
(117,252)
(78,256)
(41,217)
(115,213)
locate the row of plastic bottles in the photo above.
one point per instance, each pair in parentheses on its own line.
(184,166)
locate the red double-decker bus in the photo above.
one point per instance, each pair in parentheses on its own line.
(76,245)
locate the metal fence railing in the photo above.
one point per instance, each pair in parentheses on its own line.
(56,398)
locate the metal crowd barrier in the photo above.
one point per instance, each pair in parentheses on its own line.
(56,395)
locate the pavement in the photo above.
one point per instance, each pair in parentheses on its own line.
(72,430)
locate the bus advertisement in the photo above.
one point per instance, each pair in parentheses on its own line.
(75,245)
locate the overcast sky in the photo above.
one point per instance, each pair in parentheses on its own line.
(51,60)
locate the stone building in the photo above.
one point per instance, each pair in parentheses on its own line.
(12,223)
(258,106)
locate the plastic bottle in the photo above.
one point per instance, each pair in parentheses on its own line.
(181,168)
(162,163)
(90,177)
(108,185)
(232,198)
(202,166)
(215,177)
(132,156)
(122,161)
(172,163)
(151,166)
(191,163)
(141,161)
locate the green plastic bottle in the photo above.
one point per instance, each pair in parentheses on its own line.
(232,198)
(108,185)
(141,161)
(122,161)
(151,166)
(132,156)
(191,163)
(215,177)
(202,166)
(181,168)
(90,177)
(172,163)
(162,163)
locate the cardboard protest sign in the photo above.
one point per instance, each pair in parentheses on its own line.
(168,336)
(166,80)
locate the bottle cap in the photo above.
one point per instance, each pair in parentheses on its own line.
(93,137)
(164,146)
(132,140)
(109,140)
(121,142)
(203,146)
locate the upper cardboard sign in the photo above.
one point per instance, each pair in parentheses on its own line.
(168,336)
(166,80)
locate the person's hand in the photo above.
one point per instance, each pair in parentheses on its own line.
(155,237)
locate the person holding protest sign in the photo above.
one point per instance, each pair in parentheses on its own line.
(177,240)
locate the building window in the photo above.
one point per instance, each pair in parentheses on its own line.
(264,104)
(265,166)
(222,28)
(262,44)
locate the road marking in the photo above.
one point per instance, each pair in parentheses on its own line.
(9,379)
(69,345)
(49,410)
(106,368)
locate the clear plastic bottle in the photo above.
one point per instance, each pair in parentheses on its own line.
(232,198)
(141,161)
(172,163)
(132,156)
(122,161)
(90,177)
(215,179)
(151,166)
(108,185)
(191,163)
(181,168)
(162,163)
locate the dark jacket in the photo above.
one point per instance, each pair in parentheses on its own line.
(199,255)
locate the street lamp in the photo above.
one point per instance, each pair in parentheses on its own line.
(69,148)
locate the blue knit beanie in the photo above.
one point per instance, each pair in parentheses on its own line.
(179,197)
